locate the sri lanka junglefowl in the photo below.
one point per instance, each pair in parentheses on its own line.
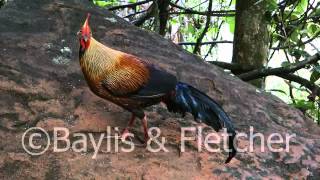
(134,84)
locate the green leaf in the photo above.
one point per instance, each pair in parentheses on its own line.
(297,53)
(293,15)
(302,6)
(174,21)
(303,104)
(285,64)
(231,22)
(191,28)
(317,68)
(315,75)
(316,12)
(102,3)
(277,90)
(313,29)
(295,36)
(272,5)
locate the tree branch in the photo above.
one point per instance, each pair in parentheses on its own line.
(206,13)
(304,82)
(291,77)
(213,45)
(134,14)
(213,13)
(259,73)
(203,43)
(163,15)
(298,44)
(203,33)
(150,12)
(132,5)
(233,67)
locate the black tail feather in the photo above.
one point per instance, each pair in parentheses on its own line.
(189,99)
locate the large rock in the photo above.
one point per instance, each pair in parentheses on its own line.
(41,85)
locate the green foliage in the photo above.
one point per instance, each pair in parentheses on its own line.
(292,24)
(304,105)
(315,75)
(301,7)
(105,3)
(313,29)
(272,5)
(231,22)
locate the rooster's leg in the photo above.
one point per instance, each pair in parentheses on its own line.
(130,123)
(144,125)
(145,129)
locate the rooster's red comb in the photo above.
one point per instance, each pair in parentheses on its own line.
(86,23)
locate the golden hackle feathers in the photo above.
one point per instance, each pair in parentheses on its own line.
(120,72)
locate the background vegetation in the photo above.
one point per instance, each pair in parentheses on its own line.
(273,44)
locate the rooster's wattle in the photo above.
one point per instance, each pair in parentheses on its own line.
(134,84)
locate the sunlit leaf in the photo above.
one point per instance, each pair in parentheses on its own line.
(313,29)
(277,90)
(174,21)
(231,22)
(302,6)
(103,3)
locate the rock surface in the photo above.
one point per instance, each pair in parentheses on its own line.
(41,85)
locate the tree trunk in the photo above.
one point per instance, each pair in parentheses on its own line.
(41,84)
(251,36)
(163,6)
